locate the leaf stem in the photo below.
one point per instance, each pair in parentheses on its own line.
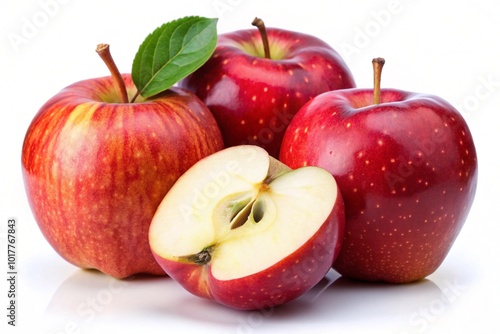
(135,96)
(103,51)
(378,64)
(263,34)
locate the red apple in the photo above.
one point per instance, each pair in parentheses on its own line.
(95,170)
(252,97)
(244,230)
(407,169)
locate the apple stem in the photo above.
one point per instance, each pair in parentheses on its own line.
(103,51)
(378,64)
(200,258)
(263,34)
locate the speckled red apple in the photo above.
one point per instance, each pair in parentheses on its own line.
(254,96)
(407,169)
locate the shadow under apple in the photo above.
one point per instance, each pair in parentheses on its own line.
(89,298)
(333,300)
(89,295)
(388,308)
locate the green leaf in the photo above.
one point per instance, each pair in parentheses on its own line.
(172,52)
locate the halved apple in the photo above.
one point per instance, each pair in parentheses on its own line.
(243,229)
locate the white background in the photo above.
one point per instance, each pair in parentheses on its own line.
(447,49)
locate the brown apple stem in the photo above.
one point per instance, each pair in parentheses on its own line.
(103,51)
(263,34)
(378,64)
(201,258)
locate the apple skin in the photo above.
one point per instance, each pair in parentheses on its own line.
(95,171)
(276,285)
(253,98)
(407,169)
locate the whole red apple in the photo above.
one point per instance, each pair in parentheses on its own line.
(254,96)
(95,169)
(244,230)
(407,169)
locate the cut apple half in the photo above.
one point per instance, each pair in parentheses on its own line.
(239,217)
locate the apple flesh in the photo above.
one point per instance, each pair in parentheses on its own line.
(407,169)
(244,230)
(95,170)
(254,98)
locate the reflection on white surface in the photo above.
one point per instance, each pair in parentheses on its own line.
(88,301)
